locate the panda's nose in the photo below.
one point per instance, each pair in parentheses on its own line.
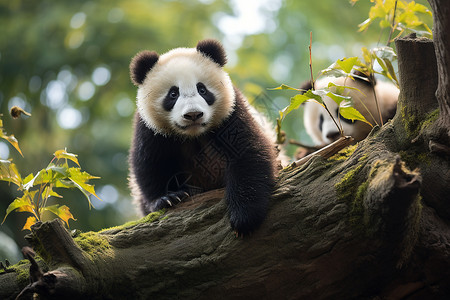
(193,115)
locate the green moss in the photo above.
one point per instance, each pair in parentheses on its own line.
(429,119)
(23,274)
(410,122)
(350,190)
(413,127)
(343,154)
(93,243)
(22,270)
(152,217)
(346,188)
(413,159)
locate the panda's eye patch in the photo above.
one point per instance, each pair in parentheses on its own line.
(320,122)
(205,93)
(171,98)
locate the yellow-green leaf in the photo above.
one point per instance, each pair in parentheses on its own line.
(80,180)
(24,203)
(64,154)
(351,113)
(30,221)
(338,98)
(42,177)
(285,87)
(347,64)
(62,212)
(12,140)
(48,192)
(299,99)
(9,172)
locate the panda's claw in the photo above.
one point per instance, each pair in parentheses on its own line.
(167,200)
(170,200)
(178,196)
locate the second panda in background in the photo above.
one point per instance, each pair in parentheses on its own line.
(322,129)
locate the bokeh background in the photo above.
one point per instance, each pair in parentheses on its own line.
(66,62)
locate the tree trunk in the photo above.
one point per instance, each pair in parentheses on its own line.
(441,27)
(369,222)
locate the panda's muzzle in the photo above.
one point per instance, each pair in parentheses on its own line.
(193,116)
(192,119)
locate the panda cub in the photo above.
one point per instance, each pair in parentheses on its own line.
(321,128)
(194,132)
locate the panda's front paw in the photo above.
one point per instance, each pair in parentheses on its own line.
(170,200)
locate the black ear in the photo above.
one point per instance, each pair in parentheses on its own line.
(214,50)
(141,64)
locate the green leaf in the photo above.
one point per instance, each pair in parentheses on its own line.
(341,88)
(385,53)
(12,140)
(23,203)
(42,177)
(9,172)
(48,192)
(299,99)
(63,154)
(364,25)
(80,179)
(351,113)
(333,72)
(338,98)
(285,87)
(62,171)
(347,64)
(62,212)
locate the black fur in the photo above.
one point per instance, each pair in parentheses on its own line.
(214,50)
(141,64)
(236,156)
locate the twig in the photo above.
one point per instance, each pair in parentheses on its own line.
(393,24)
(326,151)
(310,61)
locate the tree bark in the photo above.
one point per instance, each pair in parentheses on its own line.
(441,27)
(371,222)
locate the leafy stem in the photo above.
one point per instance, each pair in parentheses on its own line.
(37,189)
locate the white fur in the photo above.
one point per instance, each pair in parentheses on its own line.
(387,96)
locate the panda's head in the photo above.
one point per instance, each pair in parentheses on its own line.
(321,127)
(185,91)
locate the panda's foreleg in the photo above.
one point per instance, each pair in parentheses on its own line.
(152,180)
(159,192)
(249,183)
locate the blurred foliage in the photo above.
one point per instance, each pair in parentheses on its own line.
(66,62)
